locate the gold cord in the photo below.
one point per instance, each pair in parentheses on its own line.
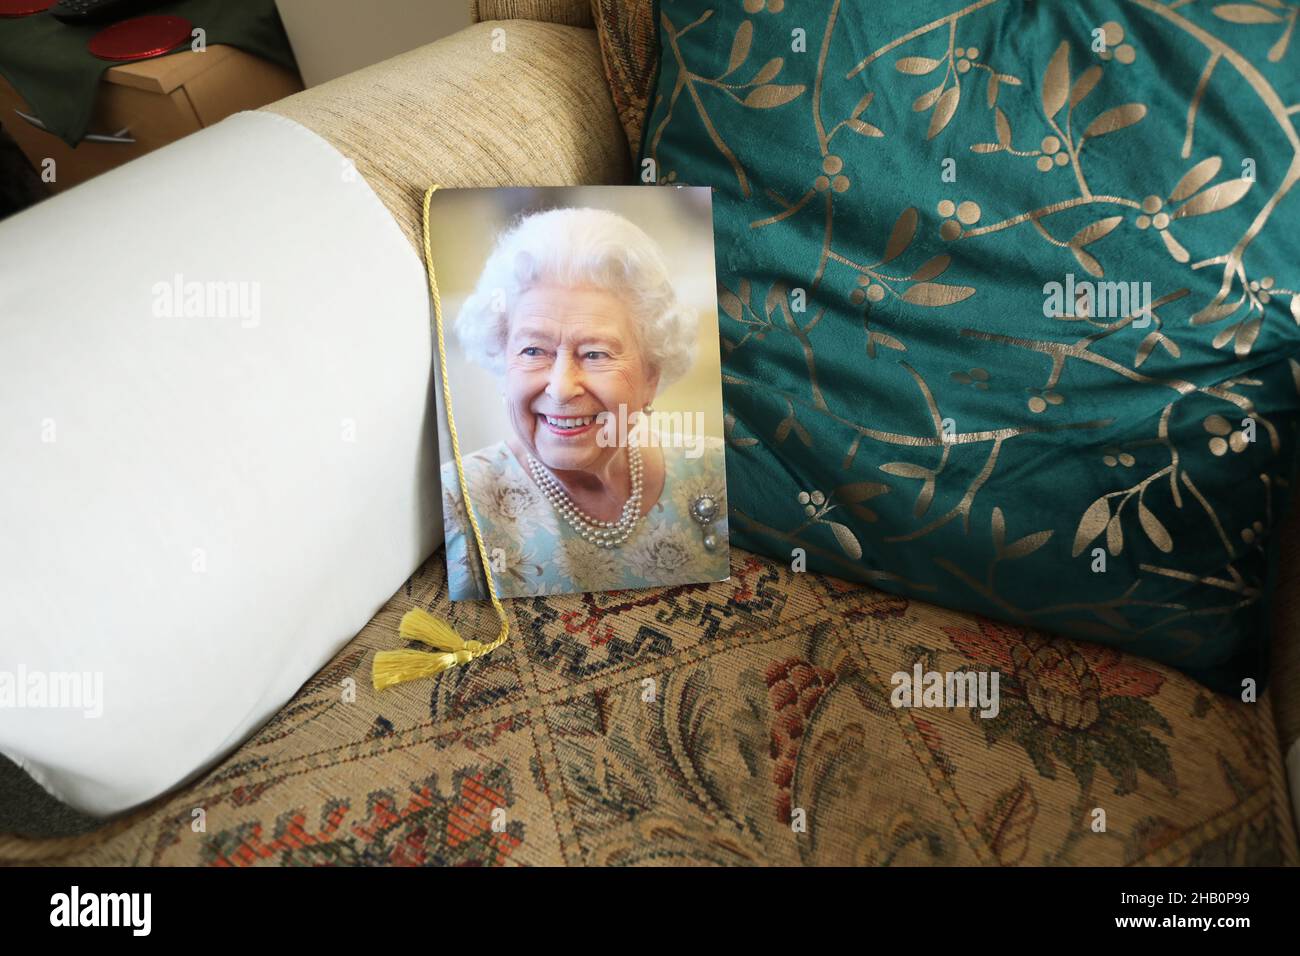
(394,667)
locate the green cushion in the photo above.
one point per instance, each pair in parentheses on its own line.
(906,405)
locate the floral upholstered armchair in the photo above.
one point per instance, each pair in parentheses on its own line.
(744,722)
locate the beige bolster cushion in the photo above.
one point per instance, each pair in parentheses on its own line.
(465,111)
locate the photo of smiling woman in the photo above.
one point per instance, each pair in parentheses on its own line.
(589,474)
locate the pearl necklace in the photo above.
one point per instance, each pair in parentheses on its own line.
(603,534)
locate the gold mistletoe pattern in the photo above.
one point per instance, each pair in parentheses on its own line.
(1064,145)
(758,92)
(1055,129)
(1274,13)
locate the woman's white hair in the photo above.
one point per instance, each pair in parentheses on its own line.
(589,247)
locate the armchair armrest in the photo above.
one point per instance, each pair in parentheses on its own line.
(1285,649)
(456,113)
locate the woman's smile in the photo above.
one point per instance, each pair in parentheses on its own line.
(567,427)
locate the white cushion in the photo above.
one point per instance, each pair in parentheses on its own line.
(201,509)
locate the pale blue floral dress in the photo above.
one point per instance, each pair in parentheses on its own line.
(540,553)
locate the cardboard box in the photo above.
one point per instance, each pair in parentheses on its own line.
(147,104)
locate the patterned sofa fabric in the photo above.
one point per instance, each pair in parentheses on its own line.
(691,725)
(629,48)
(574,13)
(908,198)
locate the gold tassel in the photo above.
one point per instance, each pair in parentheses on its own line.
(436,632)
(394,667)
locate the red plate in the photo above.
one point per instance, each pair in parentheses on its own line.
(22,8)
(140,38)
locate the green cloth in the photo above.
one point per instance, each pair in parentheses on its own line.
(46,60)
(914,175)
